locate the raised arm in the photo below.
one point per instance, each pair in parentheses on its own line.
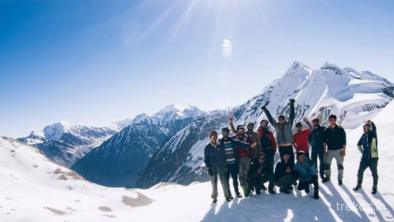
(231,124)
(292,112)
(240,144)
(269,116)
(308,123)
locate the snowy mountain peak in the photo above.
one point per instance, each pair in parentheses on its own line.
(333,67)
(298,69)
(175,111)
(55,131)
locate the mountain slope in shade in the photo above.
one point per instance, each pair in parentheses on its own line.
(120,160)
(178,152)
(64,143)
(353,96)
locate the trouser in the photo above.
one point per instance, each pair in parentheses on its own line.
(244,166)
(317,153)
(304,184)
(286,181)
(372,164)
(232,171)
(221,174)
(256,182)
(269,158)
(287,150)
(333,154)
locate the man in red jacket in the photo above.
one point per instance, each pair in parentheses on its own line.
(301,139)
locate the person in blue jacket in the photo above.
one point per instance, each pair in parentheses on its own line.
(306,173)
(215,161)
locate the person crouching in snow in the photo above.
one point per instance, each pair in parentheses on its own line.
(259,174)
(368,146)
(284,174)
(306,173)
(215,161)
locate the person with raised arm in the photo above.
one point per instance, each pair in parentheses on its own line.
(284,131)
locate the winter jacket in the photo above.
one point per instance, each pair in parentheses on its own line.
(258,169)
(230,147)
(267,139)
(214,156)
(316,137)
(305,171)
(280,170)
(284,132)
(301,140)
(241,152)
(254,137)
(335,137)
(368,145)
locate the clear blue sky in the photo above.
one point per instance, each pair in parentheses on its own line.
(94,62)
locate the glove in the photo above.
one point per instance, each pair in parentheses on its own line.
(211,172)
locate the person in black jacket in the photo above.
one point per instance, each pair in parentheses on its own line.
(316,141)
(334,138)
(368,146)
(215,161)
(259,173)
(284,174)
(230,145)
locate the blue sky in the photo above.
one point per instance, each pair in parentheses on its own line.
(94,62)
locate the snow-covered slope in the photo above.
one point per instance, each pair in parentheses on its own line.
(353,96)
(120,160)
(35,189)
(64,143)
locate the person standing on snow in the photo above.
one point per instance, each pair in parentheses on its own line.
(368,146)
(215,161)
(306,174)
(245,156)
(284,131)
(268,145)
(230,145)
(301,142)
(317,145)
(334,138)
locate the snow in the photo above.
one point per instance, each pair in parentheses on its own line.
(33,191)
(56,130)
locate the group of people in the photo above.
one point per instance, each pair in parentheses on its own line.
(247,156)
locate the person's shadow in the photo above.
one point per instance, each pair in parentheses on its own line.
(278,207)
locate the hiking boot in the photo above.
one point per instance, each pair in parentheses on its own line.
(228,199)
(238,195)
(340,182)
(357,187)
(374,190)
(214,201)
(326,179)
(307,189)
(316,194)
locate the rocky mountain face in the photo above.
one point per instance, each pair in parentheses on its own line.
(120,160)
(65,143)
